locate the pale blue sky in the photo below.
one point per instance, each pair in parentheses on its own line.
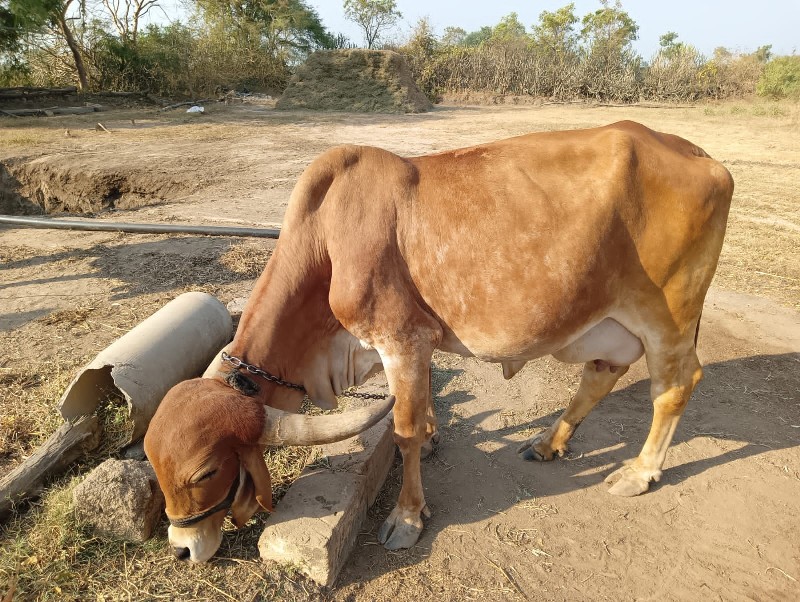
(736,24)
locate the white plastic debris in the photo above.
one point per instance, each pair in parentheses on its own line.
(195,109)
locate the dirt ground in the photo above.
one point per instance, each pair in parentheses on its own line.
(723,522)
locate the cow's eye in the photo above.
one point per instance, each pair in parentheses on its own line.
(206,476)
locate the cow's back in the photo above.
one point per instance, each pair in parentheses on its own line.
(518,245)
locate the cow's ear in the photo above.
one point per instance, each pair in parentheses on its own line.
(252,460)
(245,504)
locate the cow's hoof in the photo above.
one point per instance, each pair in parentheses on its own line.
(401,530)
(629,481)
(429,446)
(539,450)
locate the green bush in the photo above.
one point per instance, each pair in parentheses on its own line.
(781,78)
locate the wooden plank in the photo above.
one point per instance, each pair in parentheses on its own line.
(71,441)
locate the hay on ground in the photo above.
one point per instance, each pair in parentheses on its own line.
(365,81)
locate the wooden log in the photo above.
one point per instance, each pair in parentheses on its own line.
(50,111)
(118,94)
(27,112)
(71,441)
(26,92)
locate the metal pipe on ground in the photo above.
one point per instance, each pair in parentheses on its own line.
(95,226)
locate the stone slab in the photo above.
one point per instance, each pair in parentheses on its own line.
(316,523)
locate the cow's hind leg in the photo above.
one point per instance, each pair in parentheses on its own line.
(408,371)
(675,371)
(432,436)
(597,381)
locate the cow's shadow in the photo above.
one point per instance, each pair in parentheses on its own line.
(723,406)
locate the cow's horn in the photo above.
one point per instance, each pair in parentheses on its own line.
(285,428)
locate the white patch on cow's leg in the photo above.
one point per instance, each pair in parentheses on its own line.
(674,373)
(595,384)
(408,372)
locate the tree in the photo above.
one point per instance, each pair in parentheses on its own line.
(509,29)
(609,28)
(610,64)
(763,53)
(285,28)
(476,38)
(454,36)
(10,30)
(32,15)
(60,21)
(669,44)
(372,16)
(555,31)
(556,43)
(126,14)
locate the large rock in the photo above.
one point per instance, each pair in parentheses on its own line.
(364,81)
(120,499)
(316,523)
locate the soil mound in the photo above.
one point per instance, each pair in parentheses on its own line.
(364,81)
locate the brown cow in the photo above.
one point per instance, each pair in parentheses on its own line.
(596,246)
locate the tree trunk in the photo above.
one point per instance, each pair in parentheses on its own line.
(61,20)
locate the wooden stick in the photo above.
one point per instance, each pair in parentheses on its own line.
(71,441)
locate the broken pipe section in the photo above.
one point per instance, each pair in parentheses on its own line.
(174,344)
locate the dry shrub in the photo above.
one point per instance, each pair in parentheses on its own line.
(676,75)
(521,69)
(729,75)
(599,71)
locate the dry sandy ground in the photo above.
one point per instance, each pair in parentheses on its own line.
(724,521)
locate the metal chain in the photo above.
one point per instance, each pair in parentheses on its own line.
(358,395)
(239,363)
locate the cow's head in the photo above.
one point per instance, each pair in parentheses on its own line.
(206,444)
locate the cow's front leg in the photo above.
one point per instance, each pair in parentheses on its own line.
(408,372)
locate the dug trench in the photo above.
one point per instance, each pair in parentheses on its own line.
(53,185)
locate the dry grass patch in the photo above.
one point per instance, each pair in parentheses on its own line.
(45,554)
(26,407)
(246,259)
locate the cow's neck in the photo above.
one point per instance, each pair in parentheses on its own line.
(286,317)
